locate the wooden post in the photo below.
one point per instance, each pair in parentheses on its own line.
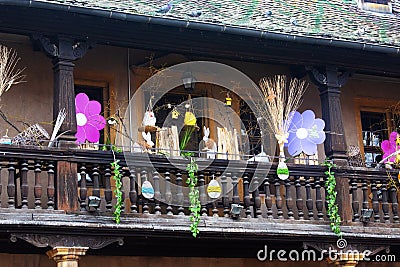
(64,50)
(329,81)
(67,256)
(67,186)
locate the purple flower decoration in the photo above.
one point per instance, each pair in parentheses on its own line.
(389,147)
(88,120)
(305,133)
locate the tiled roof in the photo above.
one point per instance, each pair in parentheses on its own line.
(331,19)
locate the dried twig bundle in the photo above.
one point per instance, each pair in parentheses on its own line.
(280,100)
(9,75)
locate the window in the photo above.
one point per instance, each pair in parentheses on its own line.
(374,130)
(376,121)
(163,109)
(252,130)
(381,2)
(98,92)
(379,6)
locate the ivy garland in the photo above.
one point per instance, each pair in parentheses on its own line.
(333,210)
(194,197)
(118,192)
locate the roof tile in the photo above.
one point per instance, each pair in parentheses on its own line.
(336,19)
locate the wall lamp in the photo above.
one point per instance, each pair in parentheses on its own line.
(94,203)
(236,209)
(189,81)
(366,215)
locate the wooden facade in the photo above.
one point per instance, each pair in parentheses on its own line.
(45,209)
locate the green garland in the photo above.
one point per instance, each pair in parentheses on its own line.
(194,197)
(333,210)
(118,192)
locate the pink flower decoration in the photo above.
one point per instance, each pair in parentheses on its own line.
(389,147)
(88,120)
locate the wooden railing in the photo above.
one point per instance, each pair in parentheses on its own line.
(299,197)
(374,189)
(30,179)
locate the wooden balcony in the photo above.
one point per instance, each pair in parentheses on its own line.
(35,198)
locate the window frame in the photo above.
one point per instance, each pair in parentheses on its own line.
(372,105)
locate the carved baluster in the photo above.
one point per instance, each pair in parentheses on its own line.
(278,198)
(132,190)
(24,184)
(289,199)
(395,204)
(235,191)
(96,181)
(364,188)
(50,186)
(157,193)
(37,190)
(11,184)
(309,201)
(168,193)
(375,201)
(247,203)
(268,198)
(318,199)
(214,203)
(108,191)
(354,202)
(83,189)
(1,186)
(256,199)
(202,192)
(179,194)
(123,172)
(299,198)
(385,204)
(225,200)
(145,208)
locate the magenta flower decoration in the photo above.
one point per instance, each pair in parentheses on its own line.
(88,120)
(389,147)
(305,133)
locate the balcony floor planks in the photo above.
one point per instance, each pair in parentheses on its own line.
(177,226)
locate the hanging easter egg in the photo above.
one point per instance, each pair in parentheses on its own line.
(147,190)
(214,189)
(282,171)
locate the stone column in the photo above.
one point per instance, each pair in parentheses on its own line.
(348,259)
(67,256)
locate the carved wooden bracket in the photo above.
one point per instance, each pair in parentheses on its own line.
(329,76)
(45,240)
(350,247)
(63,47)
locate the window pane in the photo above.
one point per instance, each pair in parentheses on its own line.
(374,131)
